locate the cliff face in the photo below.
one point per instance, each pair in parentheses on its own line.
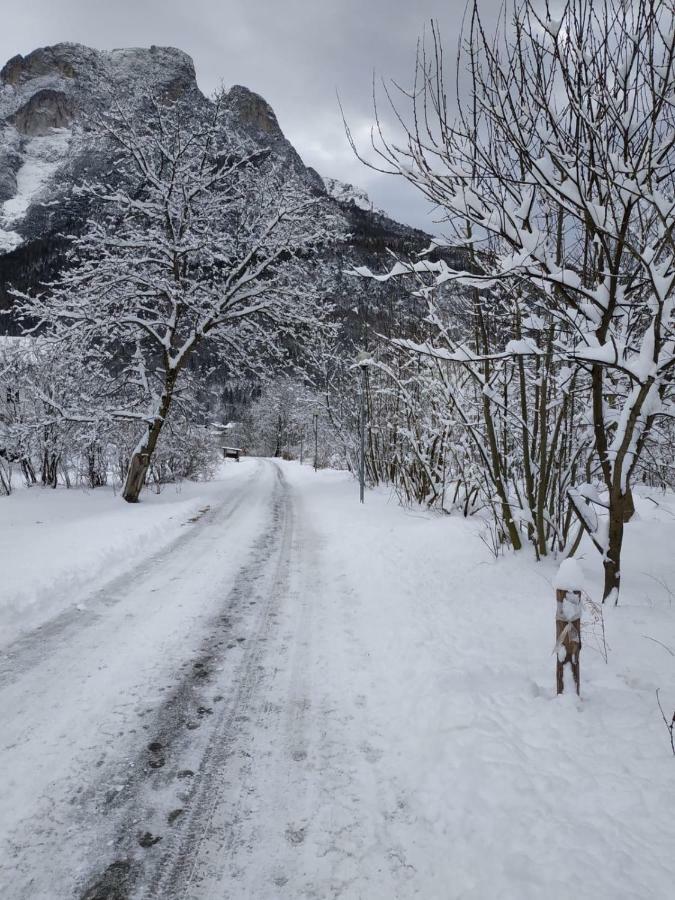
(48,101)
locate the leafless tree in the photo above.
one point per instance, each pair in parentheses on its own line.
(197,237)
(556,173)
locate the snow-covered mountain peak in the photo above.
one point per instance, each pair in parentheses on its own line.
(68,79)
(73,62)
(349,193)
(48,96)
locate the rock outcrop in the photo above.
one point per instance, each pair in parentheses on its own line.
(47,109)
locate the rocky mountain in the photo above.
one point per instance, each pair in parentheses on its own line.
(49,100)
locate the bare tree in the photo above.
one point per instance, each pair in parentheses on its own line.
(197,237)
(557,173)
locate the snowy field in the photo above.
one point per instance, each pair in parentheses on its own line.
(291,695)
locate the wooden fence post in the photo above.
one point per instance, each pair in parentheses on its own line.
(567,636)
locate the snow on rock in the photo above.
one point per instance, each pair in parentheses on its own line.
(42,156)
(152,63)
(348,193)
(9,240)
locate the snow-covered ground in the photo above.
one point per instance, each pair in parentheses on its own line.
(58,545)
(299,696)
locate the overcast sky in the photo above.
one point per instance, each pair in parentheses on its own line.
(296,53)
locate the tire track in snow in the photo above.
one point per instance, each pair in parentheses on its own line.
(79,719)
(165,869)
(268,581)
(32,648)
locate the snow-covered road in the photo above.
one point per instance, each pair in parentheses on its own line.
(302,697)
(182,732)
(107,707)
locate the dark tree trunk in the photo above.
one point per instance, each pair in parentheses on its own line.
(138,469)
(277,446)
(28,470)
(95,466)
(621,509)
(142,456)
(50,463)
(140,463)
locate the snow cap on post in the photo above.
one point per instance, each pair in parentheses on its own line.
(570,576)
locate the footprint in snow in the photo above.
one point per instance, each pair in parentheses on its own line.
(295,835)
(157,759)
(372,754)
(148,839)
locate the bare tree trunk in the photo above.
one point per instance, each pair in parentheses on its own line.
(142,456)
(140,463)
(278,441)
(28,470)
(619,504)
(95,467)
(50,463)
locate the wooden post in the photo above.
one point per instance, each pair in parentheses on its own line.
(567,636)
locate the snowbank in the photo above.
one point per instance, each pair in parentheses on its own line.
(56,544)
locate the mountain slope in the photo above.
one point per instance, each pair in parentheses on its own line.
(50,99)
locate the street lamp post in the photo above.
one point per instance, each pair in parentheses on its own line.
(362,459)
(316,441)
(362,360)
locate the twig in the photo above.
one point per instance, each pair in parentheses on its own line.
(597,617)
(672,653)
(669,725)
(661,582)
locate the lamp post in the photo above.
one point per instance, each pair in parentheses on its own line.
(316,441)
(362,459)
(362,361)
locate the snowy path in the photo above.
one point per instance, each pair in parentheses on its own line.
(301,697)
(193,683)
(82,697)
